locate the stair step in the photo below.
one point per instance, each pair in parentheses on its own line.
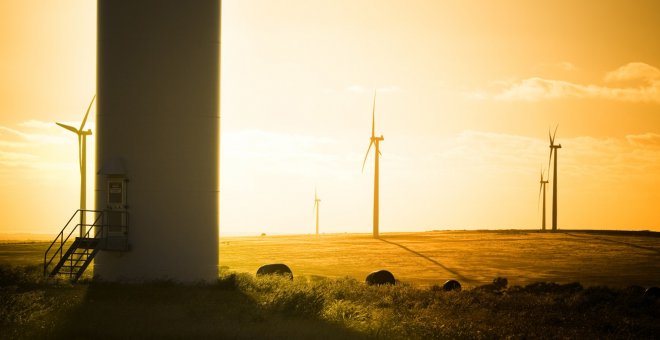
(77,258)
(86,243)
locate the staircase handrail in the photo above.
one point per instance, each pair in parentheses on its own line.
(60,236)
(89,229)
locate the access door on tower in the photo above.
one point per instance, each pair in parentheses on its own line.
(116,214)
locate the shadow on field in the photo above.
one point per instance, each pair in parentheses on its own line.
(455,273)
(590,237)
(167,310)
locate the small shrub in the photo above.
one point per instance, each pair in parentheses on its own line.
(298,302)
(595,296)
(23,276)
(549,288)
(345,311)
(228,282)
(500,282)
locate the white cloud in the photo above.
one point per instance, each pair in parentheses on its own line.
(644,140)
(14,159)
(356,89)
(9,135)
(495,151)
(536,88)
(5,144)
(634,71)
(389,89)
(35,145)
(37,124)
(582,156)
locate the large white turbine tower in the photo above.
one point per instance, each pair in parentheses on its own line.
(158,138)
(82,164)
(375,142)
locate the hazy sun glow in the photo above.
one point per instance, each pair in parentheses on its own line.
(466,94)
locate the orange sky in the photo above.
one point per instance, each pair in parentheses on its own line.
(467,92)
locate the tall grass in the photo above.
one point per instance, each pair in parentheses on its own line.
(539,310)
(244,306)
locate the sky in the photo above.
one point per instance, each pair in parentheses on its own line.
(466,94)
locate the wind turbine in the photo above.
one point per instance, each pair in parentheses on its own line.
(374,141)
(542,188)
(554,147)
(82,160)
(317,205)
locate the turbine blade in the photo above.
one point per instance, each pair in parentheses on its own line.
(373,117)
(367,155)
(550,136)
(70,128)
(87,113)
(554,134)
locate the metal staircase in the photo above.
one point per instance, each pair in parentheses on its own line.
(74,248)
(77,258)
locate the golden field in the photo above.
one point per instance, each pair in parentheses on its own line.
(328,299)
(472,257)
(615,259)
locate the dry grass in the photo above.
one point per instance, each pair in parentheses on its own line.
(425,259)
(244,307)
(328,298)
(473,257)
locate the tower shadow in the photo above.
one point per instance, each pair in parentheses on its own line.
(590,237)
(452,271)
(166,310)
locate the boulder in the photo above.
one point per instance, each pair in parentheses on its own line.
(550,287)
(634,290)
(652,292)
(451,285)
(275,269)
(498,286)
(500,283)
(380,277)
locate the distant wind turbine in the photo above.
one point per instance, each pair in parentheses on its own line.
(374,141)
(82,160)
(317,205)
(542,188)
(554,147)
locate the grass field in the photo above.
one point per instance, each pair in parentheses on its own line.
(328,299)
(472,257)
